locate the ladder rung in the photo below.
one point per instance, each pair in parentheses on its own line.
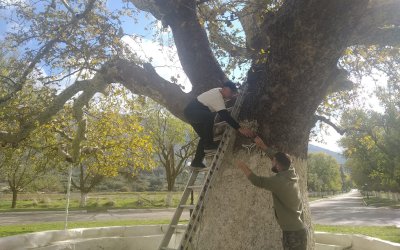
(195,187)
(229,109)
(187,206)
(200,169)
(167,248)
(218,137)
(220,123)
(210,153)
(180,226)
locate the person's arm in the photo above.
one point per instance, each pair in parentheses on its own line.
(225,116)
(258,181)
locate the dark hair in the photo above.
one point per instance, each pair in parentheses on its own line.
(231,85)
(283,160)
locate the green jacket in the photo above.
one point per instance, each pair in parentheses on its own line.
(286,195)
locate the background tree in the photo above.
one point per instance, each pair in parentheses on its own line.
(372,143)
(113,141)
(174,143)
(323,173)
(300,56)
(27,163)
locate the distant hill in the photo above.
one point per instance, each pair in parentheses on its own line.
(338,156)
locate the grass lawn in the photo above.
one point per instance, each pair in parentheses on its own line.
(390,233)
(9,230)
(386,233)
(381,202)
(95,201)
(41,202)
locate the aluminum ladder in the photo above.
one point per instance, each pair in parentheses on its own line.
(211,170)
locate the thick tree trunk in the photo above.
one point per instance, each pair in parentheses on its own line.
(83,200)
(168,200)
(242,214)
(14,198)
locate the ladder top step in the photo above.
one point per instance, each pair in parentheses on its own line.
(195,187)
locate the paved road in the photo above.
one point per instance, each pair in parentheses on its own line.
(346,209)
(51,216)
(349,209)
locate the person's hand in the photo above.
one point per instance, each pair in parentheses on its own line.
(260,143)
(240,164)
(243,167)
(246,132)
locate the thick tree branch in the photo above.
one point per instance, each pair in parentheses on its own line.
(148,6)
(379,36)
(195,54)
(379,25)
(252,18)
(89,88)
(145,81)
(338,81)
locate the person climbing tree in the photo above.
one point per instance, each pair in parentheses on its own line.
(286,196)
(200,114)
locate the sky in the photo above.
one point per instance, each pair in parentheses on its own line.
(166,63)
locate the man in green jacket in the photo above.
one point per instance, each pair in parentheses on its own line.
(286,197)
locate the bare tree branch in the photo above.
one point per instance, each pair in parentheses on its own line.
(66,4)
(217,37)
(341,131)
(44,50)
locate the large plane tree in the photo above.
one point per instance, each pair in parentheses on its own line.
(299,53)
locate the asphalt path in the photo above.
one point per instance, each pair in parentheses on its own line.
(349,209)
(345,209)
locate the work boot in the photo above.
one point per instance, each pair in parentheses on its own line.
(211,147)
(197,166)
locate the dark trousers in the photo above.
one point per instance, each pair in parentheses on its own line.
(295,240)
(202,121)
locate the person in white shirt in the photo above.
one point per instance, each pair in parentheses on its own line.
(200,113)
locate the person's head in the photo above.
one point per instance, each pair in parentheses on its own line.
(280,162)
(229,90)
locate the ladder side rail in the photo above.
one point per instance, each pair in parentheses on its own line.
(217,160)
(178,211)
(197,210)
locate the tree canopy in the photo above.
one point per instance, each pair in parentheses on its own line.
(372,143)
(53,40)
